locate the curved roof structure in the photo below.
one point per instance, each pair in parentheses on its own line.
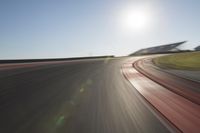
(159,49)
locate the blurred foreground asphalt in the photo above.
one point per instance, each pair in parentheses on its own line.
(90,96)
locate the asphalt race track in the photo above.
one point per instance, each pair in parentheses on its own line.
(88,96)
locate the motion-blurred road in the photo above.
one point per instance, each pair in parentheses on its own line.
(88,96)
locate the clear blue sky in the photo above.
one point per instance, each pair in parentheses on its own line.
(70,28)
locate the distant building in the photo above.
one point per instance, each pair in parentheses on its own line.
(160,49)
(197,48)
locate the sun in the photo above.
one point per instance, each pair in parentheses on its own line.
(135,19)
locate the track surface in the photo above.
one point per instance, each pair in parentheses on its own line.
(90,96)
(168,100)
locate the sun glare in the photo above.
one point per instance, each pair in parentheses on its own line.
(135,19)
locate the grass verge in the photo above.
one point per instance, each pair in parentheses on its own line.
(182,61)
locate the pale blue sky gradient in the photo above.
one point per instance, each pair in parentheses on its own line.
(71,28)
